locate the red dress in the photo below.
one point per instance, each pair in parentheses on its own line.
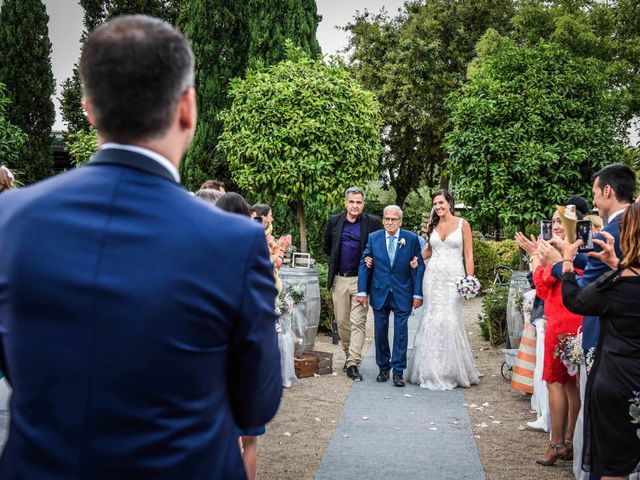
(560,321)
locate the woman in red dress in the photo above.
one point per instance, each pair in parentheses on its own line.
(564,396)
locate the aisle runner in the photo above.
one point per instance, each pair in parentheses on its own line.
(402,433)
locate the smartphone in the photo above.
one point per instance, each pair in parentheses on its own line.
(257,219)
(546,230)
(584,233)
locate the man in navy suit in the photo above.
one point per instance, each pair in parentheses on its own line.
(136,322)
(395,287)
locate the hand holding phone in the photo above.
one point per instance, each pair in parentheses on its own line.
(546,230)
(584,233)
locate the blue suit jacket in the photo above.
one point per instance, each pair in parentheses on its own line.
(400,278)
(593,270)
(136,324)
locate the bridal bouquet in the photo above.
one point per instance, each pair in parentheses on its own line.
(569,351)
(468,287)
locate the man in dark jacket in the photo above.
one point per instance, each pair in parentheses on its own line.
(345,236)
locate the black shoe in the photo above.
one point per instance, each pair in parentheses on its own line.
(397,380)
(344,367)
(353,373)
(383,376)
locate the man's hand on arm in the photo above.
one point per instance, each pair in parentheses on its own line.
(362,299)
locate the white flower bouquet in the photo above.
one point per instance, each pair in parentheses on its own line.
(569,351)
(468,287)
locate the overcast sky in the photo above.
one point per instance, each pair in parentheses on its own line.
(65,28)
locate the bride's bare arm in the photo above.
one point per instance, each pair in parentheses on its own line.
(467,243)
(426,252)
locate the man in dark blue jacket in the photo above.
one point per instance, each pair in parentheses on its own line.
(136,323)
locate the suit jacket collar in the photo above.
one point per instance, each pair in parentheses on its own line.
(131,159)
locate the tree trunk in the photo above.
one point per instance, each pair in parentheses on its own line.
(444,182)
(401,196)
(302,221)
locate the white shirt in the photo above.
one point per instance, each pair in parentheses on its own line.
(615,214)
(148,153)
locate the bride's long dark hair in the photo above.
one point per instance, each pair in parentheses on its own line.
(434,216)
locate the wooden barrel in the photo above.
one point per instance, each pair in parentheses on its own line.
(307,278)
(515,319)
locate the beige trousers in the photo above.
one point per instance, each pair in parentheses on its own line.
(351,317)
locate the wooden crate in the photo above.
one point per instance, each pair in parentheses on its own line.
(325,362)
(305,365)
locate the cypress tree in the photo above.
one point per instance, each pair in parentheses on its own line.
(25,69)
(219,35)
(273,21)
(96,12)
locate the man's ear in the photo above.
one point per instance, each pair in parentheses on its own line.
(607,191)
(187,112)
(86,106)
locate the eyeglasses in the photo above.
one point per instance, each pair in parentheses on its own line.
(391,219)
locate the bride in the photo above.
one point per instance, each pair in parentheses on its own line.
(441,357)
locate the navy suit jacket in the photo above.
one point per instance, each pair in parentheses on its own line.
(404,281)
(593,270)
(136,327)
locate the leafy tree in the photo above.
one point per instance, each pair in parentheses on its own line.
(25,69)
(272,22)
(412,62)
(219,35)
(81,144)
(301,131)
(96,12)
(607,31)
(11,137)
(529,129)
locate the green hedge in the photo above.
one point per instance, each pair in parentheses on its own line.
(493,321)
(487,255)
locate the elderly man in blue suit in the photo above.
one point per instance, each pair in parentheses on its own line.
(394,287)
(136,322)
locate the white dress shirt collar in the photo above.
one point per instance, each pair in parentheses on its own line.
(615,214)
(148,153)
(395,235)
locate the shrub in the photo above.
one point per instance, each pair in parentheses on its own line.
(508,252)
(485,259)
(493,321)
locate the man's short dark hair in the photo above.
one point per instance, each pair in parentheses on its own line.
(621,178)
(133,71)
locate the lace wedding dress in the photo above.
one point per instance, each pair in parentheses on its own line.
(441,358)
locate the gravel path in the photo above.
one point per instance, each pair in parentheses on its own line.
(296,440)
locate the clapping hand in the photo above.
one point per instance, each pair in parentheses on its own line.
(284,242)
(528,245)
(608,253)
(567,250)
(548,253)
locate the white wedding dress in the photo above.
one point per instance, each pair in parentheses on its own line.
(441,358)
